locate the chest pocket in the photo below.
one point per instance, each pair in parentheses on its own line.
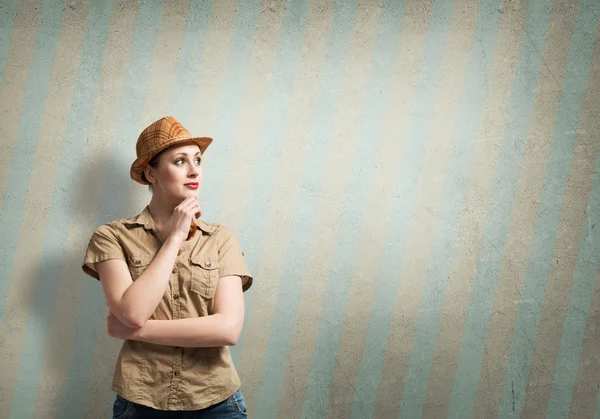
(205,274)
(137,265)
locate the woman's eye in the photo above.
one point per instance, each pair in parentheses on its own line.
(178,161)
(198,160)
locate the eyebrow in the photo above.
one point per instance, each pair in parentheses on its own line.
(184,154)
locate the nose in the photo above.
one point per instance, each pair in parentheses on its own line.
(193,172)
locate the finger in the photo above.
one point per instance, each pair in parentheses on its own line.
(185,203)
(191,209)
(197,210)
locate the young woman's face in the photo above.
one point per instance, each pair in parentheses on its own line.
(178,173)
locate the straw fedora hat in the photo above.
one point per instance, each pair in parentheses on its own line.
(158,136)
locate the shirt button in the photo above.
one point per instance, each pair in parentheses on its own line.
(176,373)
(176,296)
(208,263)
(174,270)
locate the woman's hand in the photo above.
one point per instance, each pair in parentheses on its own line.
(118,330)
(182,217)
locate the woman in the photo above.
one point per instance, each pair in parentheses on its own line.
(174,287)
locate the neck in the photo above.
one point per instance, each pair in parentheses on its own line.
(161,210)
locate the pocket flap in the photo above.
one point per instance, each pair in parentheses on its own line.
(205,260)
(138,261)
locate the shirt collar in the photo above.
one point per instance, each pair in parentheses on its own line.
(145,220)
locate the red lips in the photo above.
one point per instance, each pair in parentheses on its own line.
(192,185)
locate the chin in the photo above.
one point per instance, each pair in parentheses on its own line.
(180,195)
(189,192)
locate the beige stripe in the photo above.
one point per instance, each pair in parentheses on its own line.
(517,250)
(14,80)
(252,117)
(28,254)
(100,396)
(462,271)
(166,57)
(583,402)
(420,231)
(363,286)
(158,93)
(85,215)
(214,65)
(568,239)
(340,156)
(282,208)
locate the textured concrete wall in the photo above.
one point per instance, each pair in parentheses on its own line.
(416,186)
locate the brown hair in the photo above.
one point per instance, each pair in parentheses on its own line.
(153,163)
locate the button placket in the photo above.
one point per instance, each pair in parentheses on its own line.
(175,292)
(175,301)
(175,387)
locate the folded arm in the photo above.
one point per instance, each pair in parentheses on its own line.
(222,328)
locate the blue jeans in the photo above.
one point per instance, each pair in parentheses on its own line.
(232,408)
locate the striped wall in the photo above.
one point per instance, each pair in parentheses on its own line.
(415,183)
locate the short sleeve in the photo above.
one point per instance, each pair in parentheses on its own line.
(231,258)
(103,245)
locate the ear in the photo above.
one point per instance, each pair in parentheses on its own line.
(150,174)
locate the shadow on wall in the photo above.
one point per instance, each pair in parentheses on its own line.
(80,356)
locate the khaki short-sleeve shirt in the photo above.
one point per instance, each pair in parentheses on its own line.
(168,377)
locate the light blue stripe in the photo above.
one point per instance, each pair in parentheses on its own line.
(500,210)
(61,211)
(366,140)
(184,94)
(217,161)
(549,212)
(265,166)
(7,17)
(27,138)
(582,290)
(386,292)
(90,317)
(450,209)
(314,166)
